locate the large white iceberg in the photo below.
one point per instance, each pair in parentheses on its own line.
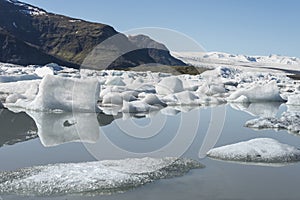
(66,94)
(257,93)
(102,177)
(259,150)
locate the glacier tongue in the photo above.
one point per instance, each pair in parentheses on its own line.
(101,177)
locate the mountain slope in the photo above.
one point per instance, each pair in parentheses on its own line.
(65,39)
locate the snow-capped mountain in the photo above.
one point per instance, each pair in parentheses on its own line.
(26,8)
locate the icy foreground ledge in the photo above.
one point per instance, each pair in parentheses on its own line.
(102,177)
(289,121)
(259,150)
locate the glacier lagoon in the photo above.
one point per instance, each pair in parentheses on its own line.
(107,137)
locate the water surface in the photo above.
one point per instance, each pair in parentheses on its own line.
(117,137)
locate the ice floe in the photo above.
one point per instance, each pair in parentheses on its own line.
(54,87)
(288,120)
(259,150)
(102,177)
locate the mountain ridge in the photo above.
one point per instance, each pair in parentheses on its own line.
(65,40)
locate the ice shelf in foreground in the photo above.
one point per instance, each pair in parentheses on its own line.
(67,94)
(259,150)
(102,177)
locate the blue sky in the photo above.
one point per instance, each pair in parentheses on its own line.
(253,27)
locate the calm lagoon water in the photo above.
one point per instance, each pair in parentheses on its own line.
(183,134)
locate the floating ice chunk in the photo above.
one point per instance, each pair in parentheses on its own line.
(115,81)
(259,150)
(288,120)
(152,99)
(137,106)
(59,128)
(13,92)
(169,85)
(66,94)
(170,111)
(257,93)
(129,95)
(186,98)
(13,98)
(210,100)
(109,89)
(211,89)
(93,178)
(43,71)
(294,99)
(112,98)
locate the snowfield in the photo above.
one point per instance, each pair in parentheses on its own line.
(102,177)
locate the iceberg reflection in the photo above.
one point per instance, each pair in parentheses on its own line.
(59,128)
(261,109)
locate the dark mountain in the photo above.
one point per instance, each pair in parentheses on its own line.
(30,35)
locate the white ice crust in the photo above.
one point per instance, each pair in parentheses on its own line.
(102,177)
(259,150)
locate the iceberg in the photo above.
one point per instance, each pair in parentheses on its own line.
(259,150)
(66,94)
(152,99)
(257,93)
(137,107)
(112,98)
(169,85)
(289,121)
(92,178)
(43,71)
